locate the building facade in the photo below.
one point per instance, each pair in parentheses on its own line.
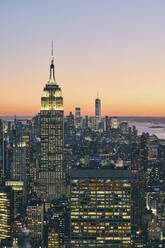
(51,174)
(6,216)
(100,208)
(56,230)
(78,118)
(18,196)
(98,108)
(35,220)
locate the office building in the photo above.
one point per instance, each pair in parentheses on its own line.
(94,123)
(6,216)
(34,166)
(18,196)
(107,123)
(86,120)
(35,220)
(78,118)
(18,164)
(98,108)
(100,208)
(69,125)
(56,230)
(35,132)
(123,127)
(113,123)
(51,174)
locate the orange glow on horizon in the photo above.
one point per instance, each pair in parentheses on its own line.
(122,94)
(25,111)
(114,47)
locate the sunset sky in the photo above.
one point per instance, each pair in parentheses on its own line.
(116,47)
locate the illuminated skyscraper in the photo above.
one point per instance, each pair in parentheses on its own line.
(113,123)
(98,107)
(56,225)
(100,213)
(18,166)
(18,195)
(51,174)
(94,122)
(6,216)
(77,117)
(35,220)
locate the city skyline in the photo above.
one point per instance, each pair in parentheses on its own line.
(114,47)
(82,124)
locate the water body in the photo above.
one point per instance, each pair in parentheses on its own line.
(159,130)
(151,125)
(12,118)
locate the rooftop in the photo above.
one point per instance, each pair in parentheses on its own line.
(100,173)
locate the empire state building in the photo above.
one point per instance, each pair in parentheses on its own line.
(51,173)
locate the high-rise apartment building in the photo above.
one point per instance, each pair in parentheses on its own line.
(100,208)
(51,174)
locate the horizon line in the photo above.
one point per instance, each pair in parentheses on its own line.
(141,116)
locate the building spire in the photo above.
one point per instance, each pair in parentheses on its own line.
(98,94)
(52,76)
(52,51)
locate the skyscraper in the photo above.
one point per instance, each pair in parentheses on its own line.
(56,225)
(35,221)
(6,216)
(98,107)
(51,174)
(77,117)
(100,208)
(18,196)
(18,166)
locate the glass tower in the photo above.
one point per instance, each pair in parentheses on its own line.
(98,108)
(51,174)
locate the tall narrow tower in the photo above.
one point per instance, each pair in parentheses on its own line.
(98,107)
(51,175)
